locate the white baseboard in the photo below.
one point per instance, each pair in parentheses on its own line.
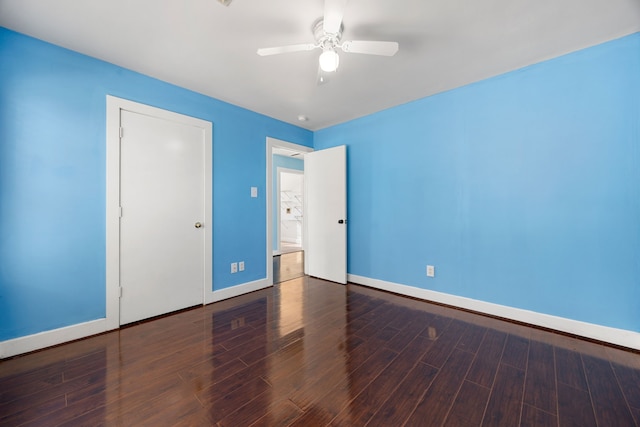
(615,336)
(41,340)
(621,337)
(237,290)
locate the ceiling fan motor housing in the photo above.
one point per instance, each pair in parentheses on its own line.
(326,40)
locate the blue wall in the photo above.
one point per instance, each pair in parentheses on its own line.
(523,190)
(52,181)
(280,162)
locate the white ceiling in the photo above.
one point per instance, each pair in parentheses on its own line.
(208,48)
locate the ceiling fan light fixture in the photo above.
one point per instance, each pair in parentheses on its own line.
(329,61)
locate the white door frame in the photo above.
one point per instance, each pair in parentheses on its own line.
(278,236)
(114,107)
(271,144)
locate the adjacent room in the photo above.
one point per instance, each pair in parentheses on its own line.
(322,212)
(288,214)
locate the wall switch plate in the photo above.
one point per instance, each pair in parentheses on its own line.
(234,267)
(241,266)
(254,191)
(431,271)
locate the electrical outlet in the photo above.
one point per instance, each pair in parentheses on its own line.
(241,266)
(234,267)
(431,271)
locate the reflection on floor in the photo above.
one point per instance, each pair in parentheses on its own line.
(312,353)
(288,266)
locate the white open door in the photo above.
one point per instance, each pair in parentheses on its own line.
(325,179)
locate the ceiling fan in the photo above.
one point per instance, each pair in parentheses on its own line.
(328,35)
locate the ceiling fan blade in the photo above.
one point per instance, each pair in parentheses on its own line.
(333,13)
(266,51)
(370,47)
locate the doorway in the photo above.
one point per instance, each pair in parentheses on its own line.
(288,256)
(324,209)
(287,157)
(290,207)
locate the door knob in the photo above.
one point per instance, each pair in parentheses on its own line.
(198,225)
(341,221)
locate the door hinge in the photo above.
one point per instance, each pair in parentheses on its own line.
(120,211)
(121,131)
(120,292)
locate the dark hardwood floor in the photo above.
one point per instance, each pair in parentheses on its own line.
(313,353)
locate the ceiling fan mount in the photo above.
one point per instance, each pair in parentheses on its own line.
(324,39)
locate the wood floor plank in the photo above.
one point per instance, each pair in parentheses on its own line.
(249,413)
(360,307)
(471,339)
(177,404)
(459,421)
(364,405)
(298,372)
(505,403)
(569,368)
(383,316)
(331,325)
(438,354)
(124,401)
(250,334)
(77,367)
(468,407)
(282,413)
(405,398)
(362,352)
(95,401)
(629,380)
(540,388)
(210,373)
(20,412)
(516,351)
(335,398)
(534,417)
(434,407)
(436,326)
(247,380)
(484,367)
(409,330)
(125,407)
(607,398)
(406,317)
(227,405)
(574,407)
(28,382)
(636,414)
(47,400)
(315,416)
(94,418)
